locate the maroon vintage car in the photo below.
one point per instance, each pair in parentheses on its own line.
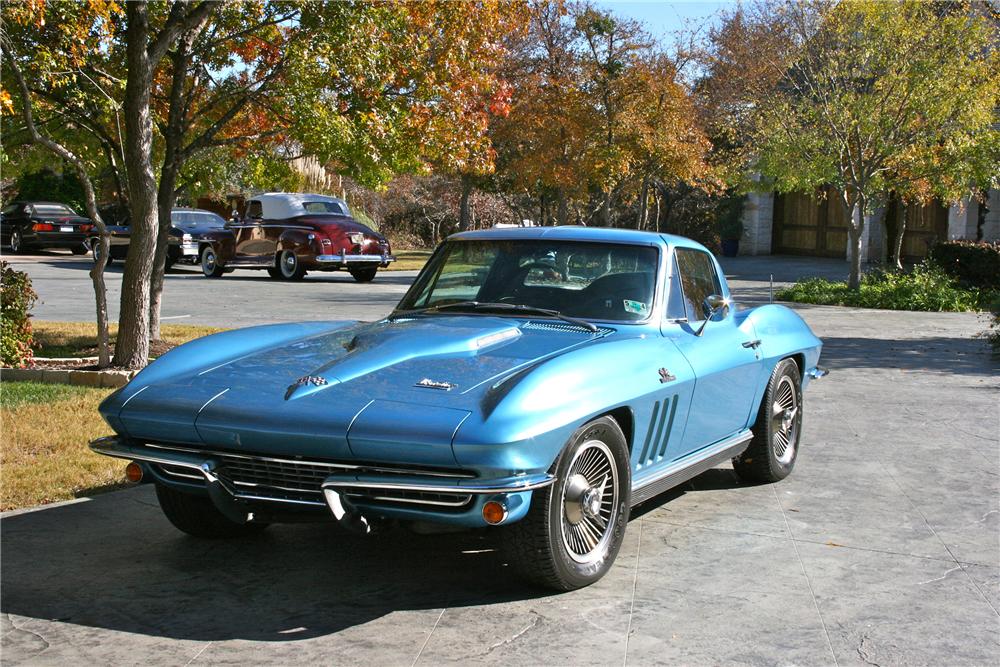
(289,234)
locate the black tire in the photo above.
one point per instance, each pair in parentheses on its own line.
(364,275)
(209,264)
(274,272)
(775,445)
(196,515)
(16,243)
(289,266)
(545,547)
(79,250)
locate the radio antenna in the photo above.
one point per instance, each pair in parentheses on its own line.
(771,289)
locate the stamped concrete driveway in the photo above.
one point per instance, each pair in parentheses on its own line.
(881,548)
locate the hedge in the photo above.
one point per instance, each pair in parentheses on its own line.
(975,263)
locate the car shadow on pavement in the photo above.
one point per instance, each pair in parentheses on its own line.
(954,356)
(115,562)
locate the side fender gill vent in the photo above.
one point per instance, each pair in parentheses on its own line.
(658,434)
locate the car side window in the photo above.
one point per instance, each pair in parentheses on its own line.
(255,211)
(698,280)
(675,294)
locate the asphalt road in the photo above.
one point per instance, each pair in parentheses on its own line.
(882,547)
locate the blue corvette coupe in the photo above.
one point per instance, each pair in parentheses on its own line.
(542,381)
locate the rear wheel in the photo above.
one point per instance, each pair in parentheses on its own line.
(209,263)
(95,251)
(196,515)
(289,266)
(364,275)
(79,250)
(16,243)
(775,445)
(575,527)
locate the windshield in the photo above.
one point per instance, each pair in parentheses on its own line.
(197,217)
(601,281)
(52,209)
(324,207)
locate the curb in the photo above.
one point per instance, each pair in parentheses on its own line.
(111,379)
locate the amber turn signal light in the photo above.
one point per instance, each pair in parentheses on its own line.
(494,512)
(133,472)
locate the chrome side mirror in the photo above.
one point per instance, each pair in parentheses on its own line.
(713,305)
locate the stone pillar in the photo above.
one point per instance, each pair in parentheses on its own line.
(873,239)
(962,219)
(758,219)
(991,225)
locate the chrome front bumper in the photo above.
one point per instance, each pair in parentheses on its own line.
(382,490)
(343,259)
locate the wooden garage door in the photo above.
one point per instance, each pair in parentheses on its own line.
(925,225)
(809,225)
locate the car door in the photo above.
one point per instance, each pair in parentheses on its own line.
(724,357)
(250,244)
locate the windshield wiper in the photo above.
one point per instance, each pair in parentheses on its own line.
(516,307)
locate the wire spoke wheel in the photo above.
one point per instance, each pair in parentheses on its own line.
(589,502)
(784,420)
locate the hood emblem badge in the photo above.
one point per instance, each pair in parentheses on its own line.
(427,383)
(666,376)
(314,380)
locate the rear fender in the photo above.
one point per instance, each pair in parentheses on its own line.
(783,334)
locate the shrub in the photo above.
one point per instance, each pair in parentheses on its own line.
(16,299)
(976,263)
(926,287)
(992,335)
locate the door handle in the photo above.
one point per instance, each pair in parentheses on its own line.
(755,343)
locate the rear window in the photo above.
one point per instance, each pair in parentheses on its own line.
(324,207)
(52,209)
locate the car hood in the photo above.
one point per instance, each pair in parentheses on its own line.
(342,393)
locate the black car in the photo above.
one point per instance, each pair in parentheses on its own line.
(40,224)
(188,225)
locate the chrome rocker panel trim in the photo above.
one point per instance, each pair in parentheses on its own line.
(690,466)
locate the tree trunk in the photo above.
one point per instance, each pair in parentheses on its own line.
(97,270)
(562,208)
(464,215)
(856,225)
(132,348)
(169,173)
(606,209)
(897,242)
(643,204)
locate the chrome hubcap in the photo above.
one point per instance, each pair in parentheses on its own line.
(784,422)
(589,502)
(15,241)
(209,260)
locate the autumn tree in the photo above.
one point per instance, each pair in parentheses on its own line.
(876,96)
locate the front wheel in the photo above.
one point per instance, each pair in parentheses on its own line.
(775,445)
(575,527)
(196,515)
(210,263)
(364,275)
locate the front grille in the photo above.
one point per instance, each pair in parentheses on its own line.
(269,478)
(280,479)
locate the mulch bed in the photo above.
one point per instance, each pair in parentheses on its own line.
(156,348)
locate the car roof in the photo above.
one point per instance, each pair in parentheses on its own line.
(577,233)
(295,197)
(44,203)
